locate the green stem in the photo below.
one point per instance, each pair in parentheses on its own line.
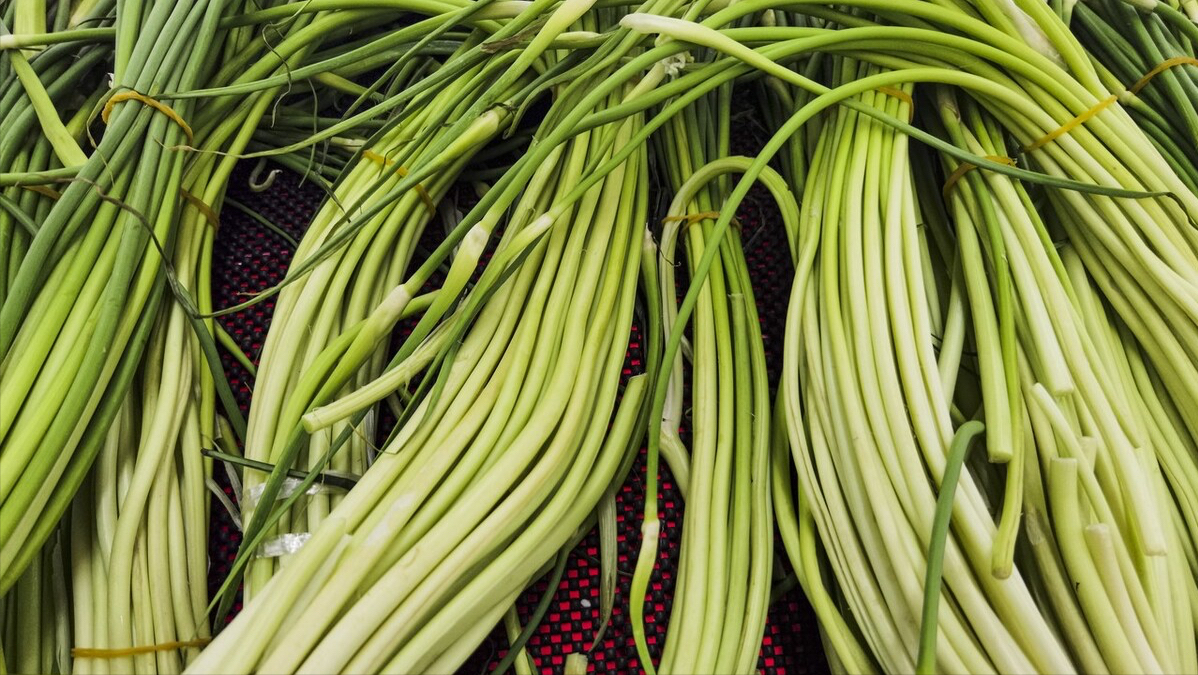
(926,661)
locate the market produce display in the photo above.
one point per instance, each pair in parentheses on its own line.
(978,451)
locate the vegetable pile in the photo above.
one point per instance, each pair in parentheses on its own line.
(981,454)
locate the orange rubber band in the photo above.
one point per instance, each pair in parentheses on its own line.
(1162,67)
(424,196)
(43,190)
(1071,124)
(93,653)
(153,103)
(902,96)
(966,167)
(204,209)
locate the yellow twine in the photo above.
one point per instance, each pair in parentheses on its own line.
(691,219)
(902,96)
(204,209)
(424,196)
(153,103)
(1160,68)
(1102,105)
(1071,124)
(966,167)
(43,190)
(93,653)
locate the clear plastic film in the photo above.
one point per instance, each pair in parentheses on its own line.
(284,544)
(250,497)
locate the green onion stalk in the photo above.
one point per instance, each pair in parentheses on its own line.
(721,596)
(356,279)
(1152,230)
(60,84)
(83,301)
(427,344)
(1063,324)
(869,425)
(498,465)
(392,188)
(778,100)
(139,552)
(35,630)
(845,337)
(1136,49)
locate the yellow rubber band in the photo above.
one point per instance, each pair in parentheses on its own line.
(204,209)
(424,196)
(153,103)
(902,96)
(1071,124)
(43,190)
(1162,67)
(93,653)
(692,218)
(965,168)
(1102,105)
